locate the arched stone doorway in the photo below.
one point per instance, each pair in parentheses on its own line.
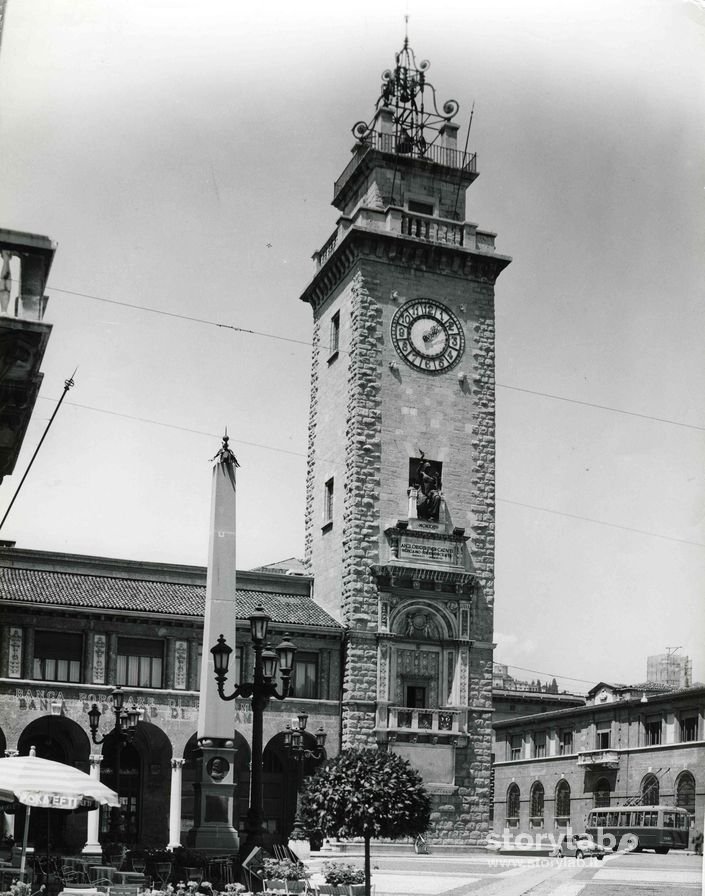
(282,776)
(140,772)
(61,740)
(424,668)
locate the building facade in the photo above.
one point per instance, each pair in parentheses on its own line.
(25,261)
(75,627)
(627,744)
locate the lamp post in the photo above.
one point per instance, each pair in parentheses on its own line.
(294,745)
(123,730)
(259,692)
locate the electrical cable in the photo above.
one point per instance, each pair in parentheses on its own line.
(302,454)
(212,323)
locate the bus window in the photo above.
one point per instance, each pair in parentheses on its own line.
(650,819)
(668,821)
(638,819)
(680,820)
(612,819)
(625,819)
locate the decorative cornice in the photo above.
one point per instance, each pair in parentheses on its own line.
(396,572)
(359,243)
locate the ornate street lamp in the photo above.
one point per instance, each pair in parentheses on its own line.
(123,731)
(259,692)
(294,745)
(125,719)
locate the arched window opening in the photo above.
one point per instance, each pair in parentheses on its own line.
(513,802)
(685,793)
(122,772)
(601,793)
(537,797)
(650,791)
(563,803)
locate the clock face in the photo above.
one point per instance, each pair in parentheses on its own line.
(428,336)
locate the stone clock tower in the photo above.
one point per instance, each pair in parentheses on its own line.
(401,466)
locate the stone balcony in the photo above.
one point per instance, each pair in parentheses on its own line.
(424,228)
(432,725)
(599,759)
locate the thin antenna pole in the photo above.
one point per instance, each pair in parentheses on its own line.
(67,385)
(467,140)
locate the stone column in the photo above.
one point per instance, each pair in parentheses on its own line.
(92,846)
(9,830)
(175,804)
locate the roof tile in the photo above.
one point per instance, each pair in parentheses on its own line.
(94,592)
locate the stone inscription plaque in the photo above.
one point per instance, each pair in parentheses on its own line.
(426,551)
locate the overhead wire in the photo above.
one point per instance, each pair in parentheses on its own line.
(303,454)
(587,519)
(275,336)
(546,674)
(308,344)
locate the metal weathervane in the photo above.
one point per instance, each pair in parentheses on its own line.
(412,102)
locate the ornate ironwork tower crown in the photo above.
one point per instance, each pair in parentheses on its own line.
(411,100)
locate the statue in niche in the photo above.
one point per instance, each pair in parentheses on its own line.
(425,477)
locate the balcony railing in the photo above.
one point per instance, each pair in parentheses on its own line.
(387,143)
(433,230)
(426,228)
(433,721)
(325,253)
(599,758)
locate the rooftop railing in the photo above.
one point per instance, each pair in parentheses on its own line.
(389,145)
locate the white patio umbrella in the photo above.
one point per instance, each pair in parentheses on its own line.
(50,785)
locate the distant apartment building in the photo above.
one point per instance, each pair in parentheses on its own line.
(643,743)
(670,669)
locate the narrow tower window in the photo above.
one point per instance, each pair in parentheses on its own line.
(328,503)
(334,336)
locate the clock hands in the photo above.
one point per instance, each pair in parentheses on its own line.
(430,333)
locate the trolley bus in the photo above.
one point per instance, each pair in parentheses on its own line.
(641,827)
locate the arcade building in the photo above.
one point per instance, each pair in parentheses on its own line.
(393,618)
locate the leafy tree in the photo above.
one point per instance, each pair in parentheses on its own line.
(367,793)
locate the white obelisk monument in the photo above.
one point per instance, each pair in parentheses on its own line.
(215,783)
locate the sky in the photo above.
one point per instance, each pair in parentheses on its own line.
(183,156)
